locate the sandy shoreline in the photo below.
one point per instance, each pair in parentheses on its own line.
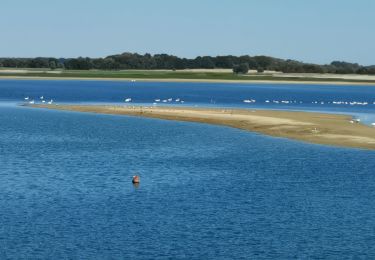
(310,127)
(297,82)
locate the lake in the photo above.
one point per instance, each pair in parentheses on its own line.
(206,192)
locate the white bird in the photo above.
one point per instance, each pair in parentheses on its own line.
(50,102)
(373,124)
(169,99)
(128,100)
(32,102)
(177,100)
(157,100)
(41,97)
(26,98)
(43,101)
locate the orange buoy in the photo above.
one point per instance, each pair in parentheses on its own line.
(135,179)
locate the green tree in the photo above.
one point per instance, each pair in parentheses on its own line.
(226,62)
(242,68)
(205,62)
(52,65)
(263,61)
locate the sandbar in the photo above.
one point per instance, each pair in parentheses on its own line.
(317,128)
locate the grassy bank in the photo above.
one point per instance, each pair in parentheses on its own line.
(171,75)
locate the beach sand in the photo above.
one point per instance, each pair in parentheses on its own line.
(318,128)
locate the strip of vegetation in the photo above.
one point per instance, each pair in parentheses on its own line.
(131,61)
(177,75)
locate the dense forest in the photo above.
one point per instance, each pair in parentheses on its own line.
(239,64)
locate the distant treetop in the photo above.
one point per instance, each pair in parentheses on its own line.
(239,64)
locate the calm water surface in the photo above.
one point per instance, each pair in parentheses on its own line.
(206,192)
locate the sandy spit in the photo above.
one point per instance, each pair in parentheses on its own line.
(317,128)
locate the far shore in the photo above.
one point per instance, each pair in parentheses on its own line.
(296,81)
(317,128)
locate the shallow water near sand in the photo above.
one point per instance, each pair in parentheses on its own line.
(206,191)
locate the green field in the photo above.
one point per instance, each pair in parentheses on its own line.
(150,74)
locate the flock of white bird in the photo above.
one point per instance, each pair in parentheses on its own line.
(158,100)
(249,101)
(351,103)
(41,98)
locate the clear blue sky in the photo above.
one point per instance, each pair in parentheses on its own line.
(308,30)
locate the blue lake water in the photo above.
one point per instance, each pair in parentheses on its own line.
(355,100)
(206,192)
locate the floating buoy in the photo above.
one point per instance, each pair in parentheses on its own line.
(135,179)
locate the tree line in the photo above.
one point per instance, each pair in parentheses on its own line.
(239,64)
